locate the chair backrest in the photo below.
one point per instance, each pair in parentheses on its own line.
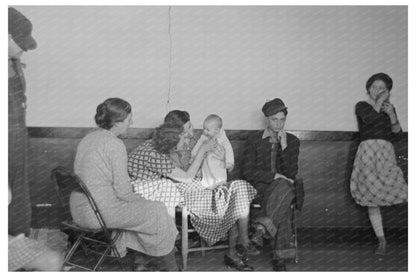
(65,182)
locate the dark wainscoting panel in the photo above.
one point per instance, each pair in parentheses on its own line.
(325,164)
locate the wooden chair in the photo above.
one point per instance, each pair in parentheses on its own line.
(98,241)
(185,230)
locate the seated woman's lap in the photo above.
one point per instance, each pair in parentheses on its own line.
(163,190)
(214,212)
(199,199)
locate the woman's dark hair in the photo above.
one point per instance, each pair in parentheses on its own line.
(380,76)
(177,117)
(166,137)
(111,111)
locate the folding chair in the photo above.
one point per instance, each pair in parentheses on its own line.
(294,231)
(97,241)
(185,230)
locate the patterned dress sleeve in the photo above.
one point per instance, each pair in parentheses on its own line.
(134,159)
(159,163)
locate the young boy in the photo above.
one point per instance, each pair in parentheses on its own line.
(217,163)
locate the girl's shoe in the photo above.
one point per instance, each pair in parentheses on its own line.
(381,249)
(278,265)
(237,264)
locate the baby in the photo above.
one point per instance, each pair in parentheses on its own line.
(216,163)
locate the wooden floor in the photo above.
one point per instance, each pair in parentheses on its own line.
(322,250)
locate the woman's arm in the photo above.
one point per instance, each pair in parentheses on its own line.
(195,149)
(187,176)
(388,108)
(121,181)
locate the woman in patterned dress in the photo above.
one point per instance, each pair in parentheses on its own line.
(214,213)
(162,189)
(101,163)
(376,179)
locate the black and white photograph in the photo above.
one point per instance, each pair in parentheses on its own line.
(204,137)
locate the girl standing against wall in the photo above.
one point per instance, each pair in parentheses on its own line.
(376,179)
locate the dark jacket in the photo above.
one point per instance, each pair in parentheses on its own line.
(257,159)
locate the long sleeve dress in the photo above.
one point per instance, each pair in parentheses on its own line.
(376,180)
(101,163)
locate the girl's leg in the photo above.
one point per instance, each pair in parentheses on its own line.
(243,231)
(232,241)
(377,224)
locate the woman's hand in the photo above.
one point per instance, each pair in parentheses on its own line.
(208,146)
(382,97)
(388,108)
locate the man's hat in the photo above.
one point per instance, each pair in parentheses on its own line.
(20,28)
(273,107)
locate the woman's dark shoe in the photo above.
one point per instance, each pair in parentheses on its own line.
(257,239)
(149,266)
(278,265)
(237,264)
(249,250)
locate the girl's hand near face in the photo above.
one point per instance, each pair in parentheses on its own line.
(388,108)
(383,97)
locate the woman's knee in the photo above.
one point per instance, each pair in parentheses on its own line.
(49,261)
(56,261)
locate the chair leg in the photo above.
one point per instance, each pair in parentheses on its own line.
(295,233)
(184,238)
(110,249)
(203,244)
(100,261)
(72,250)
(115,250)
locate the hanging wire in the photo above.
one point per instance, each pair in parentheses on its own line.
(170,60)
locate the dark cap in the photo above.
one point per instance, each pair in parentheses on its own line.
(380,76)
(20,28)
(273,107)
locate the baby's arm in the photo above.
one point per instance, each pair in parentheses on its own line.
(229,153)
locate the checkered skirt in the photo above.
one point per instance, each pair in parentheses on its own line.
(161,189)
(214,212)
(376,179)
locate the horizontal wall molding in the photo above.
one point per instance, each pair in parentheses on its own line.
(146,133)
